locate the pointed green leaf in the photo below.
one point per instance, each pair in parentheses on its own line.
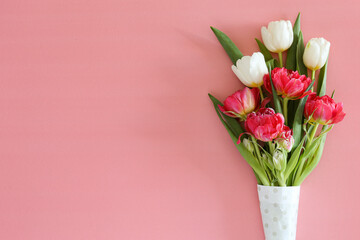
(291,54)
(230,48)
(300,66)
(298,119)
(292,106)
(293,160)
(314,161)
(311,149)
(321,86)
(264,50)
(296,28)
(274,93)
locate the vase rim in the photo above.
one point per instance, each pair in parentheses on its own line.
(277,186)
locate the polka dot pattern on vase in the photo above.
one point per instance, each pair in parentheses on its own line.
(279,210)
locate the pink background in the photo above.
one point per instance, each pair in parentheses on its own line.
(107,132)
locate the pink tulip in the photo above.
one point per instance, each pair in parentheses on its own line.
(265,124)
(285,138)
(241,103)
(323,110)
(287,83)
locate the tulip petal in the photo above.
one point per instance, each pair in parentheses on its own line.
(243,65)
(338,113)
(239,75)
(311,55)
(257,69)
(267,39)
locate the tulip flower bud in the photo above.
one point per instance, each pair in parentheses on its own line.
(241,103)
(251,69)
(279,160)
(267,161)
(285,139)
(248,145)
(278,36)
(265,124)
(323,110)
(316,52)
(287,83)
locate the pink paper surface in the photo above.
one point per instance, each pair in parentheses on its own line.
(107,132)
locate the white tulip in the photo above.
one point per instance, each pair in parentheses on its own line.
(316,53)
(278,36)
(251,69)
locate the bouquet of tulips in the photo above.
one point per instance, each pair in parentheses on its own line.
(278,121)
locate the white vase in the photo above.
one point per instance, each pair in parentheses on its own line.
(279,211)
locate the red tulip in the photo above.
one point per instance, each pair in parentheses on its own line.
(241,103)
(323,110)
(287,83)
(285,138)
(265,124)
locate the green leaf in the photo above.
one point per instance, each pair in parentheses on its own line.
(321,86)
(296,28)
(291,54)
(264,50)
(314,161)
(273,63)
(274,93)
(298,119)
(248,156)
(292,106)
(293,160)
(230,48)
(300,66)
(311,149)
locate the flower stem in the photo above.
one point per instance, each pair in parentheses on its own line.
(280,59)
(281,180)
(271,147)
(312,134)
(285,109)
(313,75)
(256,148)
(261,93)
(313,78)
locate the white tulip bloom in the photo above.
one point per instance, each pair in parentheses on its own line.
(251,69)
(316,53)
(278,36)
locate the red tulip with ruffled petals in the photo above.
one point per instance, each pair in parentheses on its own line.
(265,124)
(241,103)
(285,138)
(289,84)
(323,110)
